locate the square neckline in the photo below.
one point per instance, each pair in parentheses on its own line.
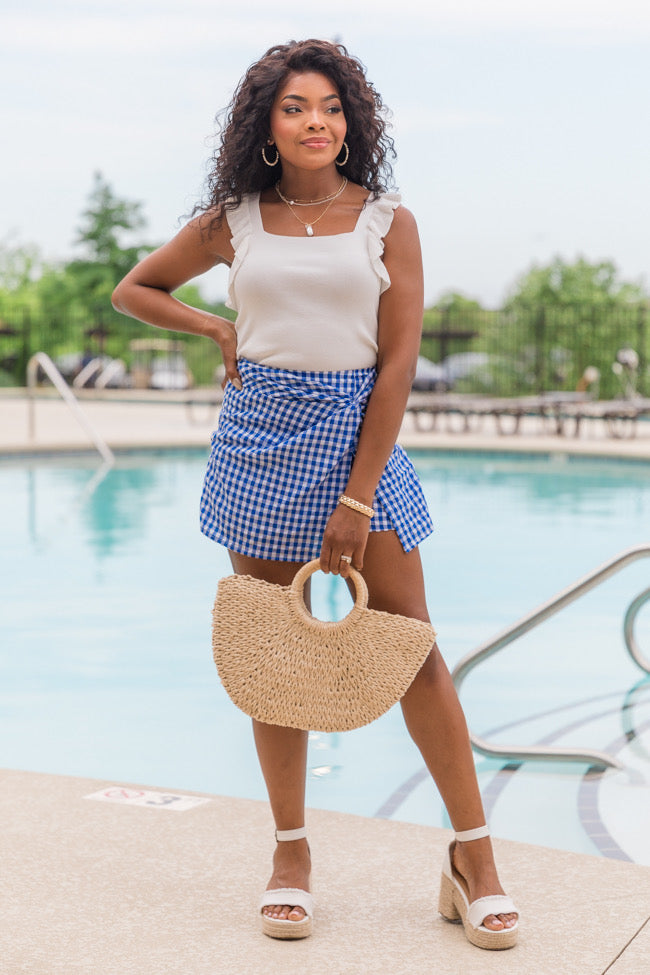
(346,233)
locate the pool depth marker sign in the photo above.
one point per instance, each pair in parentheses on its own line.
(152,800)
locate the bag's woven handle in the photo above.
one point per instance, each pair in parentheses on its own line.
(298,598)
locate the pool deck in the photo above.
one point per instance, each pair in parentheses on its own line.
(97,886)
(141,419)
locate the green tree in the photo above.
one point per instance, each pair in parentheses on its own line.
(562,285)
(62,308)
(106,258)
(20,266)
(455,303)
(564,318)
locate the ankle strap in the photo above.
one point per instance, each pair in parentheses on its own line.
(286,835)
(466,835)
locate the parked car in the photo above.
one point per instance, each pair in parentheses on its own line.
(159,364)
(443,376)
(170,373)
(429,376)
(462,365)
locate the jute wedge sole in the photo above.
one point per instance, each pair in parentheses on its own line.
(454,905)
(293,896)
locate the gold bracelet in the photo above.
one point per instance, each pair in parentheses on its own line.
(357,506)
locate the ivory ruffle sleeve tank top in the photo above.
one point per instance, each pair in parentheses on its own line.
(308,302)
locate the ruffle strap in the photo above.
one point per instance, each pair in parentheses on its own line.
(380,217)
(239,221)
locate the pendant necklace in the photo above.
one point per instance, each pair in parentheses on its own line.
(309,227)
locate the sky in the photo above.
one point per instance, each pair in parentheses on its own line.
(522,127)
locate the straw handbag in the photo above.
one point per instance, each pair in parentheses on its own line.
(283,666)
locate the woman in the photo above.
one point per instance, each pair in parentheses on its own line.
(326,279)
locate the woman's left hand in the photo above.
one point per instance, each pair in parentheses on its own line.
(346,533)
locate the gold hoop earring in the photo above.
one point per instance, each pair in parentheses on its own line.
(277,156)
(342,162)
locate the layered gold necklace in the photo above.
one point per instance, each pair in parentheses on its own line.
(309,227)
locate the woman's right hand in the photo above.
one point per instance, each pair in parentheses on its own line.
(224,334)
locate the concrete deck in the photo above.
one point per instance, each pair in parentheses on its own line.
(128,421)
(100,887)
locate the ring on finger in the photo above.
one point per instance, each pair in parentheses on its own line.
(346,558)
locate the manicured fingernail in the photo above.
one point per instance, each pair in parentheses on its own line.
(237,383)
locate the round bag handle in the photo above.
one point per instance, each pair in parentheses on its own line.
(298,597)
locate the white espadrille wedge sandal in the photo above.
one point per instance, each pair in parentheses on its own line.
(276,927)
(454,904)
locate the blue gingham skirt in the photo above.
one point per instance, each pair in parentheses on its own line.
(281,457)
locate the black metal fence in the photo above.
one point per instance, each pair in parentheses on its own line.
(72,339)
(603,348)
(501,353)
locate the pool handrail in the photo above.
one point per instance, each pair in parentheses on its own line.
(101,371)
(550,608)
(43,360)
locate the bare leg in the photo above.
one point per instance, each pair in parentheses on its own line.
(434,717)
(282,753)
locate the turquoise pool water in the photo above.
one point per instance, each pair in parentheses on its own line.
(106,662)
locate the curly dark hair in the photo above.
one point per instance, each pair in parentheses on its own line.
(237,167)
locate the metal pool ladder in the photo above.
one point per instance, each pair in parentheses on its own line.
(537,616)
(43,360)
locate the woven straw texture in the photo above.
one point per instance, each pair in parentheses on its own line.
(284,667)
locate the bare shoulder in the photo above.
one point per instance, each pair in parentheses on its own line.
(210,232)
(403,225)
(402,242)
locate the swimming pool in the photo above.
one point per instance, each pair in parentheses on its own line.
(106,659)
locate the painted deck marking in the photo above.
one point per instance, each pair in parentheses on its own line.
(142,797)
